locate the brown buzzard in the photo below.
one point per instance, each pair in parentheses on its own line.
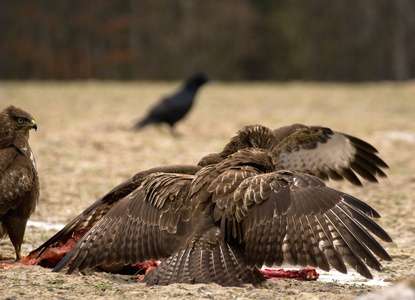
(231,217)
(19,181)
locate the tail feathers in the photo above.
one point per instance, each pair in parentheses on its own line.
(199,263)
(144,122)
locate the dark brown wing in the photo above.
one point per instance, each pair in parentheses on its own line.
(90,216)
(17,177)
(216,182)
(147,224)
(295,218)
(327,154)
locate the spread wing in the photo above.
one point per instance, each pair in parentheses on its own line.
(250,216)
(90,216)
(292,217)
(17,177)
(150,223)
(327,154)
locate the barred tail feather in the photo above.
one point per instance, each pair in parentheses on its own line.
(200,263)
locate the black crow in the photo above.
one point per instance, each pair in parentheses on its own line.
(173,108)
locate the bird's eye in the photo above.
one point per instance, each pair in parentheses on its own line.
(20,120)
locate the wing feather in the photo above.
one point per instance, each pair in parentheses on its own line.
(348,247)
(16,180)
(327,154)
(90,216)
(132,231)
(316,225)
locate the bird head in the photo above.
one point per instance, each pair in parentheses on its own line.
(20,120)
(197,80)
(251,136)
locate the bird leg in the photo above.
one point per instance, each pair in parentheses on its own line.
(174,132)
(17,249)
(16,234)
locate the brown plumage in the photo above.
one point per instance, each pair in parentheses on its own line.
(99,208)
(314,150)
(231,217)
(19,181)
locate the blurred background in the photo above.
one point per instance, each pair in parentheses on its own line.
(88,70)
(319,40)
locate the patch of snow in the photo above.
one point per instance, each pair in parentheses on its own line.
(45,225)
(404,136)
(350,278)
(335,276)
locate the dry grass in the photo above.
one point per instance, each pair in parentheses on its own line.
(84,145)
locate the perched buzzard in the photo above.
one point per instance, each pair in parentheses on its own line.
(19,181)
(173,108)
(231,217)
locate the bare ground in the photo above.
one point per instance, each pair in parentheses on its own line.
(84,147)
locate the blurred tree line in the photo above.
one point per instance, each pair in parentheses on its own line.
(342,40)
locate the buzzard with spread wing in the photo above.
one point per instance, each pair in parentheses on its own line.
(243,210)
(314,150)
(19,181)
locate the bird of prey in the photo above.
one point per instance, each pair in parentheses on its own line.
(174,107)
(314,150)
(19,181)
(238,213)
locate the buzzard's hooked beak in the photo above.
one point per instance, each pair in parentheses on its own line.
(34,125)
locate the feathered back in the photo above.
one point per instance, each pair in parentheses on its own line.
(252,136)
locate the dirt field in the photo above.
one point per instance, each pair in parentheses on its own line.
(84,147)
